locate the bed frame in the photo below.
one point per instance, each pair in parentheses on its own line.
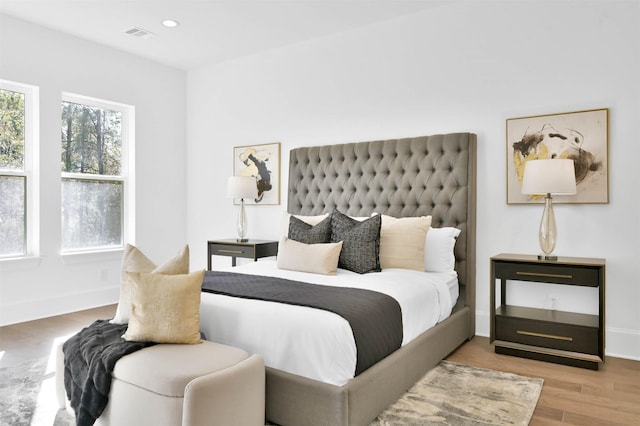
(429,175)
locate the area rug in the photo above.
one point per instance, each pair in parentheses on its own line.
(27,395)
(449,394)
(455,394)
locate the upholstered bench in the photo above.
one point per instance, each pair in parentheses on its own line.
(188,385)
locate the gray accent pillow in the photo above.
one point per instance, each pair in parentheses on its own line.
(302,232)
(361,242)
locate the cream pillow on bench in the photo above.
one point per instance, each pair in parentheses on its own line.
(165,308)
(134,260)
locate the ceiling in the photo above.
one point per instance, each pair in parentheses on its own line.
(210,31)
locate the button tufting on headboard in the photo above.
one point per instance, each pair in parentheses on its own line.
(428,175)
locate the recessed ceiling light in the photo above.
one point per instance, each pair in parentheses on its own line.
(170,23)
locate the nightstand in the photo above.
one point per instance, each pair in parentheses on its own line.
(252,249)
(548,335)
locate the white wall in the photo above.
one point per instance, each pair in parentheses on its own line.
(467,66)
(56,63)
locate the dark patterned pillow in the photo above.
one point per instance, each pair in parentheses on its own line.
(361,242)
(302,232)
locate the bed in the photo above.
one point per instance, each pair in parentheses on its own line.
(411,177)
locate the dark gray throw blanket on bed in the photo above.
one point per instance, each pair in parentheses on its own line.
(89,359)
(375,318)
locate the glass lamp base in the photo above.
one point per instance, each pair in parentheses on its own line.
(547,233)
(241,226)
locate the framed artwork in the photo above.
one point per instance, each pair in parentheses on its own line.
(263,163)
(582,136)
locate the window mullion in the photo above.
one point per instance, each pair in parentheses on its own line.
(87,176)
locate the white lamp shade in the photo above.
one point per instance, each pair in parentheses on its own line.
(242,187)
(555,176)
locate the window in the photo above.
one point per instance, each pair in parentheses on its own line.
(95,173)
(18,182)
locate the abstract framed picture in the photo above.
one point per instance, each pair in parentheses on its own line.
(582,136)
(263,163)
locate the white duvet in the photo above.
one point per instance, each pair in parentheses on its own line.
(314,343)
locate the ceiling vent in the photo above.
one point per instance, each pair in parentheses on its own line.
(140,33)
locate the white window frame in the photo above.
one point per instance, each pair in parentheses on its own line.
(31,171)
(126,176)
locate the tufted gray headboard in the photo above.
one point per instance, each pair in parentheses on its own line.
(428,175)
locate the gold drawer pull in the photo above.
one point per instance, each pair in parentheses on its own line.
(540,274)
(548,336)
(230,251)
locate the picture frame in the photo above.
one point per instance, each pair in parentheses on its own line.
(581,135)
(262,162)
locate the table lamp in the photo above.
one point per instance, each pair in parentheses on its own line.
(242,187)
(547,177)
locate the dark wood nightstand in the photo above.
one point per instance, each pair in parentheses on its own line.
(252,249)
(548,335)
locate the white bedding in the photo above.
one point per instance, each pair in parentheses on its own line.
(314,343)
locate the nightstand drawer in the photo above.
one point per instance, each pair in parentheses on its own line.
(548,273)
(567,337)
(232,250)
(251,249)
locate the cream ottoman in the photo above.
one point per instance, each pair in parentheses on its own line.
(188,385)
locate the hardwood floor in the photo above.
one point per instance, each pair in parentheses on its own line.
(570,395)
(35,339)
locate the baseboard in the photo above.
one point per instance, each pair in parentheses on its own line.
(482,324)
(619,342)
(622,343)
(34,309)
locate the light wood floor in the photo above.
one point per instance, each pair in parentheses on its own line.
(570,395)
(35,339)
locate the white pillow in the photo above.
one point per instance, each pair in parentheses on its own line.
(134,260)
(402,242)
(315,258)
(311,220)
(438,249)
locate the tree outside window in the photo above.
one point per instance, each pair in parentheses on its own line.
(13,173)
(93,137)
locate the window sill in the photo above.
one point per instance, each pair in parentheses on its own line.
(76,258)
(73,258)
(17,263)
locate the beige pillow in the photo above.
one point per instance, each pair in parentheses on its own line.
(134,260)
(315,258)
(165,308)
(402,242)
